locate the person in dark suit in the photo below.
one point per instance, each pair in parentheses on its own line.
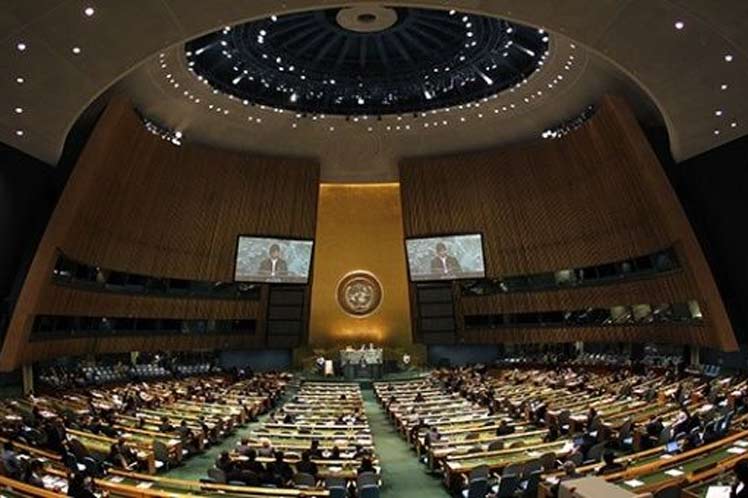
(504,428)
(611,466)
(279,471)
(11,464)
(366,466)
(81,486)
(740,488)
(273,265)
(252,464)
(166,425)
(314,450)
(35,473)
(443,263)
(306,465)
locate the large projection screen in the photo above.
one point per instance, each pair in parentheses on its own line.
(273,260)
(447,257)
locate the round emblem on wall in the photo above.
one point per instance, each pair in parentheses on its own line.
(359,293)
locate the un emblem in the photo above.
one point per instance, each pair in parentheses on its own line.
(359,293)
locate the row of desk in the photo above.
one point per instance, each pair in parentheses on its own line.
(468,438)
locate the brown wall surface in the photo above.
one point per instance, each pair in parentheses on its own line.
(136,203)
(597,195)
(359,227)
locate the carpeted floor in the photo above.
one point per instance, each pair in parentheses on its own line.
(196,468)
(402,475)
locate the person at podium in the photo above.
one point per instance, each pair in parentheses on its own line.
(273,265)
(443,263)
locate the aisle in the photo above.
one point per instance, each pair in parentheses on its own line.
(403,476)
(196,467)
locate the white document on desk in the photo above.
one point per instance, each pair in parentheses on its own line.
(718,492)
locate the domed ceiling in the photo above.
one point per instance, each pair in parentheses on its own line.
(680,62)
(368,60)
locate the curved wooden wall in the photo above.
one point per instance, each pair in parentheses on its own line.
(136,203)
(595,196)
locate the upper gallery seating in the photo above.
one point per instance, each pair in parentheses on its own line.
(159,366)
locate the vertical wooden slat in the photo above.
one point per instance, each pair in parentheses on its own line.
(596,196)
(135,203)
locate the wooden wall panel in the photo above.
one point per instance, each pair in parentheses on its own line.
(45,350)
(551,205)
(598,195)
(176,211)
(671,288)
(672,334)
(58,300)
(136,203)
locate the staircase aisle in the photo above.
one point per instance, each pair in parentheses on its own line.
(402,475)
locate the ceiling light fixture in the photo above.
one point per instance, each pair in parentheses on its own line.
(275,76)
(89,11)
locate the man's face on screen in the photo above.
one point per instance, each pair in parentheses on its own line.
(441,251)
(275,254)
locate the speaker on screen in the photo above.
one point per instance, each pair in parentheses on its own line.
(447,257)
(273,260)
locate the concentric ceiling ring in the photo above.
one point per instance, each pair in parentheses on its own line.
(329,62)
(366,19)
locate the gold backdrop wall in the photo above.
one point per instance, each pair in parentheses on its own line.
(359,227)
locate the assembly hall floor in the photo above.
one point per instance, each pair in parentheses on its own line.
(402,474)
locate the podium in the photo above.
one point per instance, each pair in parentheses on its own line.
(362,363)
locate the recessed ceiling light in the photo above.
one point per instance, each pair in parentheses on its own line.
(680,25)
(723,86)
(21,46)
(18,110)
(733,124)
(20,80)
(728,58)
(89,11)
(19,133)
(76,50)
(716,132)
(718,112)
